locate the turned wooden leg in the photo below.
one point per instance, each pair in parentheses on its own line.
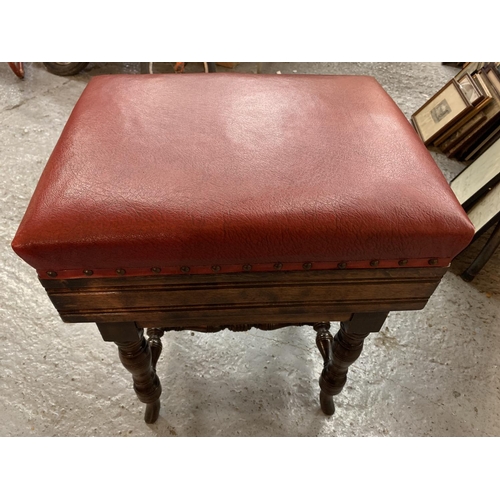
(324,341)
(135,355)
(341,351)
(154,341)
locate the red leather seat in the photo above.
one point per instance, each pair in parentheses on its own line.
(231,173)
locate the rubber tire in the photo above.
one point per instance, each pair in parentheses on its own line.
(65,69)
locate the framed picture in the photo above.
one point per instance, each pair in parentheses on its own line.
(467,129)
(480,176)
(441,111)
(447,139)
(470,90)
(483,88)
(470,124)
(492,75)
(484,129)
(482,146)
(469,69)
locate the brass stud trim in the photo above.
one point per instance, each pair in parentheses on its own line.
(249,267)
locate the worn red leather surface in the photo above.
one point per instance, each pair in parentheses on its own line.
(230,170)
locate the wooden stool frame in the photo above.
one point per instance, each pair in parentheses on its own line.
(123,307)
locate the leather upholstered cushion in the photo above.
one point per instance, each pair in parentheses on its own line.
(232,172)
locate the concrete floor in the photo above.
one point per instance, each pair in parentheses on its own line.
(427,373)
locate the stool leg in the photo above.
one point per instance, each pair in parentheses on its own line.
(341,351)
(136,358)
(324,341)
(154,341)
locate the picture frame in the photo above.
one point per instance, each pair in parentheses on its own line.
(440,112)
(464,131)
(473,150)
(482,146)
(470,90)
(478,178)
(493,77)
(449,138)
(469,68)
(468,124)
(492,111)
(481,85)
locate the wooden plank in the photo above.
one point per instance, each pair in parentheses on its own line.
(239,297)
(478,177)
(486,211)
(211,317)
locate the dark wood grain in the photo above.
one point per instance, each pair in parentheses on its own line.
(136,357)
(324,342)
(341,351)
(360,299)
(246,298)
(154,340)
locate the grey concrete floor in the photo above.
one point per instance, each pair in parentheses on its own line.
(427,373)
